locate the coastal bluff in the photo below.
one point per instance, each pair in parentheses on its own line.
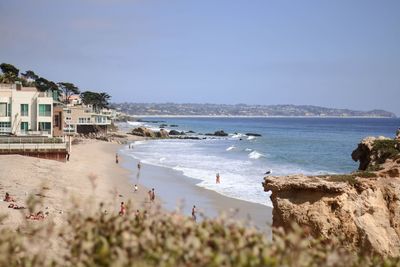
(361,208)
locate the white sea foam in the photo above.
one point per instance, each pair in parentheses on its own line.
(241,173)
(230,148)
(237,135)
(255,155)
(135,123)
(251,137)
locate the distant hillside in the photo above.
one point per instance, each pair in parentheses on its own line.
(172,109)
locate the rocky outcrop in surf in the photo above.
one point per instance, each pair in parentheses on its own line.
(362,208)
(220,133)
(146,132)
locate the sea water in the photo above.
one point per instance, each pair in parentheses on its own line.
(310,146)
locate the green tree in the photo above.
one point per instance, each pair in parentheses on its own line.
(10,73)
(68,90)
(104,100)
(44,85)
(97,100)
(29,75)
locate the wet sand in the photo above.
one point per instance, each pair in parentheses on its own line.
(178,191)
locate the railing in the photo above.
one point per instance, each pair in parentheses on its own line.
(30,140)
(29,146)
(5,130)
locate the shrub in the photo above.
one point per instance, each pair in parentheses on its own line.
(385,149)
(168,239)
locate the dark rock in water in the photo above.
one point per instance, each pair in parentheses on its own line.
(173,125)
(163,125)
(175,132)
(220,133)
(217,133)
(162,134)
(143,131)
(190,132)
(253,134)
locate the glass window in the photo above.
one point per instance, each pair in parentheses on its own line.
(24,126)
(3,109)
(4,124)
(24,109)
(44,110)
(44,126)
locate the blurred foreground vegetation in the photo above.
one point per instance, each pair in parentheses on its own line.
(167,239)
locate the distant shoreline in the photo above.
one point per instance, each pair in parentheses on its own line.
(234,116)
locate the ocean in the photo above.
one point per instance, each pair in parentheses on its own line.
(310,146)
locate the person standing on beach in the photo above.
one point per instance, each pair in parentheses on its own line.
(153,195)
(116,158)
(150,195)
(67,156)
(194,213)
(122,210)
(139,166)
(217,178)
(135,188)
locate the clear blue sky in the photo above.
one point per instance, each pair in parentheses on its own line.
(338,53)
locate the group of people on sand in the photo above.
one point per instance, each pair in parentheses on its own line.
(9,198)
(123,211)
(33,216)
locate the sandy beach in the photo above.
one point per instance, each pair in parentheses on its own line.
(91,176)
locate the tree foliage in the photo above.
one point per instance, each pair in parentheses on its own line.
(98,100)
(29,74)
(10,73)
(43,85)
(68,90)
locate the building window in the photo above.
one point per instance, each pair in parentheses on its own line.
(24,126)
(5,127)
(44,110)
(84,120)
(24,109)
(5,124)
(56,119)
(44,126)
(5,110)
(67,118)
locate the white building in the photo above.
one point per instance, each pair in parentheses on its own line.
(25,111)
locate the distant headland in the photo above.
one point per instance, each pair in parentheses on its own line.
(243,110)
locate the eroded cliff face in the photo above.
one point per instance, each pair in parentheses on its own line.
(363,207)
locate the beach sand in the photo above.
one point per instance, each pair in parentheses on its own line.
(59,185)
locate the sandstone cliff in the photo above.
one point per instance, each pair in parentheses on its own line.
(363,207)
